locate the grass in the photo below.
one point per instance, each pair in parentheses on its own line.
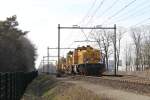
(46,87)
(75,93)
(38,86)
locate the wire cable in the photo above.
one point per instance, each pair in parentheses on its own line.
(119,11)
(83,19)
(84,34)
(141,22)
(108,9)
(87,14)
(132,14)
(99,6)
(94,13)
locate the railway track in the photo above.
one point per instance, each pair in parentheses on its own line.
(130,83)
(130,79)
(125,78)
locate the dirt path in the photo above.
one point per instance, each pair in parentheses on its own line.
(110,92)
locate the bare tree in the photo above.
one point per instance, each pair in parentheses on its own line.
(128,56)
(120,33)
(136,34)
(145,48)
(103,39)
(106,43)
(17,53)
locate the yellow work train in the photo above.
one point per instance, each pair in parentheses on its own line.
(84,60)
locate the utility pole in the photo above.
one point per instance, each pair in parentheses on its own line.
(43,64)
(48,60)
(58,69)
(115,58)
(41,67)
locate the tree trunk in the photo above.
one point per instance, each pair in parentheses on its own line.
(107,63)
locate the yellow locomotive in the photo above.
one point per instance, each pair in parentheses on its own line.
(84,60)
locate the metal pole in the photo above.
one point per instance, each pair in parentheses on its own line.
(58,67)
(43,64)
(48,60)
(87,27)
(115,58)
(40,67)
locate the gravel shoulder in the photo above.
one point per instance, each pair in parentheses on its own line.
(110,92)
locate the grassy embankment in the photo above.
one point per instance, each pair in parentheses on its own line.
(46,87)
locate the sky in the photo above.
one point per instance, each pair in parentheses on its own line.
(41,18)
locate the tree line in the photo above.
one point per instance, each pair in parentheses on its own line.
(17,53)
(136,54)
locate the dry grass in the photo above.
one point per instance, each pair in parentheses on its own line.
(48,88)
(40,85)
(76,93)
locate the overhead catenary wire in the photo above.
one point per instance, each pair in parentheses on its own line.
(87,36)
(83,19)
(87,14)
(91,17)
(119,11)
(72,43)
(126,6)
(134,16)
(108,9)
(68,38)
(141,22)
(84,34)
(99,6)
(119,19)
(90,32)
(94,13)
(105,11)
